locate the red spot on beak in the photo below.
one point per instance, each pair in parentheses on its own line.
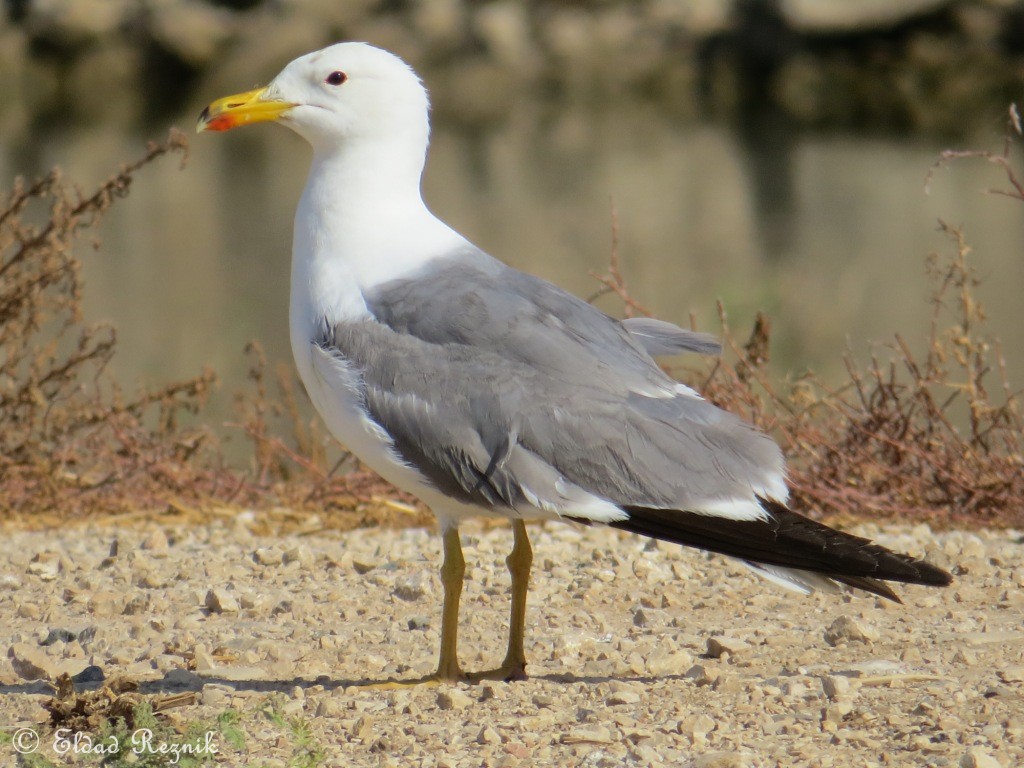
(221,123)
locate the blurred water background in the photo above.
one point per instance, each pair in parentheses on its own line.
(773,155)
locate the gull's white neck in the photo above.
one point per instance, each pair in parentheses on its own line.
(361,221)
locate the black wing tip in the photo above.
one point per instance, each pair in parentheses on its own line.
(928,575)
(788,539)
(932,576)
(887,566)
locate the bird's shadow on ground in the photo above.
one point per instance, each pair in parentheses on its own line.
(195,683)
(390,683)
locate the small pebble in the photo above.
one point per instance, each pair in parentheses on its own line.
(835,686)
(30,663)
(219,600)
(717,646)
(268,556)
(1012,674)
(622,697)
(156,543)
(410,587)
(976,757)
(453,699)
(45,565)
(216,696)
(722,760)
(663,663)
(301,555)
(701,675)
(488,735)
(204,661)
(9,581)
(695,725)
(848,629)
(596,734)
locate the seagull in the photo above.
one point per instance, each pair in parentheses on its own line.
(483,390)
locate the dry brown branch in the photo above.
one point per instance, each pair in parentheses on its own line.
(1002,159)
(614,282)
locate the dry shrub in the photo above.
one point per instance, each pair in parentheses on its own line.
(910,437)
(903,447)
(70,438)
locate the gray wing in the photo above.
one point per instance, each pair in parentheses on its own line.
(661,338)
(478,302)
(506,397)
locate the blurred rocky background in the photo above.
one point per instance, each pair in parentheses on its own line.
(914,64)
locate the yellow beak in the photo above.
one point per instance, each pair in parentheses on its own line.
(241,109)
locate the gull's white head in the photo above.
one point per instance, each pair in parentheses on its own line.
(349,92)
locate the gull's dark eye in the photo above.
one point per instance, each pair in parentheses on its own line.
(336,78)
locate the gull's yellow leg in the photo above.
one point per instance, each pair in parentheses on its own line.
(452,571)
(519,562)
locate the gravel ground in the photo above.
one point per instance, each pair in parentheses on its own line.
(640,653)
